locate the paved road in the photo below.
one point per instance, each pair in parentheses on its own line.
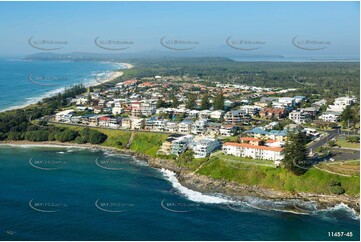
(345,154)
(316,144)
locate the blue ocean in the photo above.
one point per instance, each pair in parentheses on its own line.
(71,193)
(26,82)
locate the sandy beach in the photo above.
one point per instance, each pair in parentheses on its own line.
(115,74)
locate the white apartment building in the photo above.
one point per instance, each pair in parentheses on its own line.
(330,116)
(204,147)
(299,117)
(253,151)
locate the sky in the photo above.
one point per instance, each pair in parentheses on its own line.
(252,28)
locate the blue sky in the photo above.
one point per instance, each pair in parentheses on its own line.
(209,23)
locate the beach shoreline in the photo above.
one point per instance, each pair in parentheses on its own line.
(208,185)
(114,74)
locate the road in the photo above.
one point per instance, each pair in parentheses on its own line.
(316,144)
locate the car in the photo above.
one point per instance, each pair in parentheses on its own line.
(331,159)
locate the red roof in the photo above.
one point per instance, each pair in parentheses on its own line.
(276,149)
(104,118)
(249,139)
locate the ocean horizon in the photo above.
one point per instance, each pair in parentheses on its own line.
(27,82)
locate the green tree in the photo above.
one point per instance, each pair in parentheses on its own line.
(161,103)
(205,103)
(191,102)
(175,102)
(218,102)
(66,136)
(347,115)
(295,153)
(187,156)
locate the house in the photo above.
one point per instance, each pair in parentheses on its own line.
(320,103)
(117,110)
(341,103)
(130,83)
(279,135)
(217,114)
(204,114)
(299,117)
(98,109)
(330,116)
(253,151)
(250,109)
(64,116)
(137,123)
(236,116)
(204,147)
(299,99)
(110,122)
(312,111)
(166,146)
(171,127)
(199,126)
(271,113)
(185,126)
(212,129)
(159,125)
(126,123)
(287,101)
(227,130)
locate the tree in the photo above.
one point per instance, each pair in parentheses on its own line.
(186,157)
(347,115)
(66,136)
(161,103)
(205,104)
(175,102)
(295,153)
(97,137)
(191,102)
(218,102)
(89,99)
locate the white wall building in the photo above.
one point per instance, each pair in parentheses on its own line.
(204,147)
(253,151)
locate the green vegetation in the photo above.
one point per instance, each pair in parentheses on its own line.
(218,102)
(148,143)
(295,153)
(278,178)
(347,143)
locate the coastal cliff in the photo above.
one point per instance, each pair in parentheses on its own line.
(206,184)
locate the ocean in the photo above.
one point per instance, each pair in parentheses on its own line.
(26,82)
(72,193)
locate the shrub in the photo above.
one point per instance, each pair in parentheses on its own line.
(37,135)
(66,136)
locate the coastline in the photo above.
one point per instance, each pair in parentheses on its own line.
(94,82)
(208,185)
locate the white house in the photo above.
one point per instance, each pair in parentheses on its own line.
(185,126)
(64,116)
(332,117)
(299,117)
(217,114)
(117,110)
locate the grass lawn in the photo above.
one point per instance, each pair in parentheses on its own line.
(345,167)
(144,142)
(344,143)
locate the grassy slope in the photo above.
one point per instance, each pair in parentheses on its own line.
(314,181)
